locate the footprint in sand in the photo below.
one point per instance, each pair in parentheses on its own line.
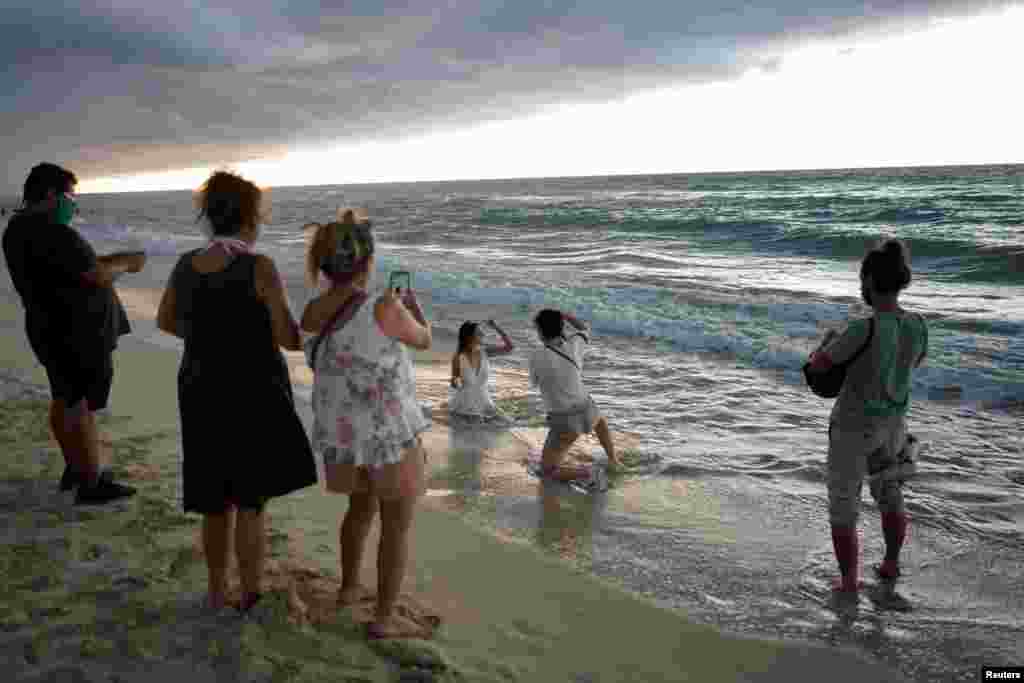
(533,637)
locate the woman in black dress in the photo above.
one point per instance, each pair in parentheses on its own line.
(242,441)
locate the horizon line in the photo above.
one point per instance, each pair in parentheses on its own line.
(596,175)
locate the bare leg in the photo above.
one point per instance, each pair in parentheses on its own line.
(86,442)
(92,461)
(552,456)
(605,437)
(75,429)
(392,556)
(57,419)
(216,546)
(250,544)
(362,508)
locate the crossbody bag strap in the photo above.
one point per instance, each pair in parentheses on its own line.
(565,356)
(867,343)
(342,316)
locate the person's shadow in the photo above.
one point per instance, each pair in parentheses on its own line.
(568,520)
(465,452)
(468,443)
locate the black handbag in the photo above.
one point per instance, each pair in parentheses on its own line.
(828,383)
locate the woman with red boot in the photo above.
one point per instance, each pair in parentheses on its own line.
(867,427)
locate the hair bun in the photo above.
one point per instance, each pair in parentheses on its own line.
(888,265)
(896,252)
(893,249)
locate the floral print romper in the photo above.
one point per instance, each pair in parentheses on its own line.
(364,395)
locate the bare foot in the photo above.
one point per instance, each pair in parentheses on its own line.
(353,594)
(385,628)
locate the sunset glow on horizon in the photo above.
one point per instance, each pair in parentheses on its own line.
(909,100)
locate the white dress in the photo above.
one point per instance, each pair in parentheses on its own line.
(473,398)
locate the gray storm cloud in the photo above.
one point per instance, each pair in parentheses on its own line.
(116,87)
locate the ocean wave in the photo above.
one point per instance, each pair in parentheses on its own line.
(950,242)
(775,337)
(980,198)
(905,215)
(154,242)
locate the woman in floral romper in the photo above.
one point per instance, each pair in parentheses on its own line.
(366,418)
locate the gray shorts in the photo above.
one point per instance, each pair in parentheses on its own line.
(852,454)
(579,420)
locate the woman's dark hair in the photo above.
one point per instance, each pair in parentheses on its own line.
(549,322)
(466,333)
(888,265)
(229,202)
(45,177)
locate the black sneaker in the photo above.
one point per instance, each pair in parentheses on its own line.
(105,491)
(71,479)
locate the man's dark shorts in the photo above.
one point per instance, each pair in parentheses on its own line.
(74,378)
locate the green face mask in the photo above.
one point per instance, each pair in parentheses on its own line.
(65,211)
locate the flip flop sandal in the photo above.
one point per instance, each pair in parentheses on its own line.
(249,601)
(374,632)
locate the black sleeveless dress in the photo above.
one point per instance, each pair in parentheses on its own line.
(242,441)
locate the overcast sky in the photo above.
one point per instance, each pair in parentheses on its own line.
(116,88)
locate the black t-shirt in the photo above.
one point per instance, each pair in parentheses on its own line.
(63,313)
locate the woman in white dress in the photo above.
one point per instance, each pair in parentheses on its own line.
(471,372)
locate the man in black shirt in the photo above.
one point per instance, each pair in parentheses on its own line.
(73,319)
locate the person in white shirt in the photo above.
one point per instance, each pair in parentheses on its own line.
(556,370)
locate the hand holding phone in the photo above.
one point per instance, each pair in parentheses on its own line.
(408,297)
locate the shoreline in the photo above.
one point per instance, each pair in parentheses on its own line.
(137,564)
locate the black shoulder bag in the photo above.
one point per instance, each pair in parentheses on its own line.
(828,383)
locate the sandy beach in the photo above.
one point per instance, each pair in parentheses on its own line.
(114,593)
